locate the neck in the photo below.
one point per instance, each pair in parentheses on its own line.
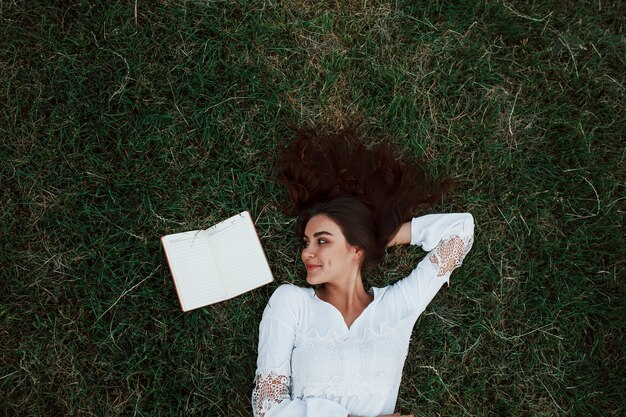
(348,296)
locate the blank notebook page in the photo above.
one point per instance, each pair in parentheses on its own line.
(240,257)
(195,273)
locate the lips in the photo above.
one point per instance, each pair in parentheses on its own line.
(312,267)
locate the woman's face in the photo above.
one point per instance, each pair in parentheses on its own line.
(327,255)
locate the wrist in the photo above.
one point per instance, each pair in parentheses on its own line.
(402,236)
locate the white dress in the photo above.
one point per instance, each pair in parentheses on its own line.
(311,364)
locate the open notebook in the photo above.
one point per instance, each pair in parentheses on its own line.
(218,263)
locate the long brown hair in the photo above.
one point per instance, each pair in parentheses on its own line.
(367,190)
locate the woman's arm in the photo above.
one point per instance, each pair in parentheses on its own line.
(447,238)
(402,236)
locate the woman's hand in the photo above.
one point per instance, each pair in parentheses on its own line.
(402,237)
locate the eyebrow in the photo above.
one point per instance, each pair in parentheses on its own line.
(323,232)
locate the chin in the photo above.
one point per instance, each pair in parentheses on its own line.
(312,280)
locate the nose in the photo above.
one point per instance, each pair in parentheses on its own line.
(307,253)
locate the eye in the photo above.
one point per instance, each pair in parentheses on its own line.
(321,241)
(305,243)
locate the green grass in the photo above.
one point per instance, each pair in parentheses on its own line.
(127,121)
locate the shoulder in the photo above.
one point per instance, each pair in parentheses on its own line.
(289,291)
(288,296)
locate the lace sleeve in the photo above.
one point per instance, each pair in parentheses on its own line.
(271,388)
(449,253)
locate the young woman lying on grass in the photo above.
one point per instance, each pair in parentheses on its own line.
(337,349)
